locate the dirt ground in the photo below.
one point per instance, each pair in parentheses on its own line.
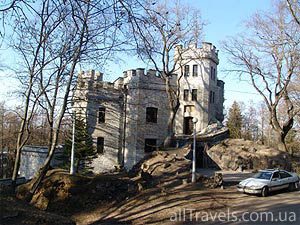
(18,212)
(156,191)
(158,205)
(175,207)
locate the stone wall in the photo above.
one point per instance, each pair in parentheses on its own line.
(125,128)
(110,130)
(145,89)
(205,58)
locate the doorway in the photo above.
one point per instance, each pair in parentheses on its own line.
(188,125)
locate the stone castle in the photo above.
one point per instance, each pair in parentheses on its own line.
(128,118)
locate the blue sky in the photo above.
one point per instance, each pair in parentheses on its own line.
(224,18)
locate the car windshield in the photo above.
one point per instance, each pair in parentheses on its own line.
(263,175)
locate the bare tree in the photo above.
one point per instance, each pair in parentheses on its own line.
(156,32)
(268,56)
(60,37)
(293,7)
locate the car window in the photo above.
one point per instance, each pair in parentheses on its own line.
(284,175)
(263,175)
(276,175)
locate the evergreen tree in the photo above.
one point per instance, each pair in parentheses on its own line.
(234,122)
(83,143)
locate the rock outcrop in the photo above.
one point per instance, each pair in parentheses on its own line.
(238,154)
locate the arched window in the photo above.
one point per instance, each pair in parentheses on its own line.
(151,115)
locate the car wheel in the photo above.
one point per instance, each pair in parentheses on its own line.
(265,191)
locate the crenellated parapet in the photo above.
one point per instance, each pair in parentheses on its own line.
(91,80)
(140,76)
(192,52)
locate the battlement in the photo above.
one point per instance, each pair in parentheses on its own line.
(93,81)
(192,52)
(91,75)
(140,75)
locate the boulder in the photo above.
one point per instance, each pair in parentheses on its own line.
(238,154)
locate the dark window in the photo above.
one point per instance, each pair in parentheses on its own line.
(151,115)
(211,97)
(284,175)
(276,175)
(186,95)
(101,115)
(186,70)
(150,145)
(100,145)
(194,95)
(214,77)
(133,72)
(211,72)
(195,70)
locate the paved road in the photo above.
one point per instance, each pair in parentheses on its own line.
(279,208)
(226,206)
(228,176)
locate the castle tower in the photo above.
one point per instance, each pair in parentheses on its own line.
(100,103)
(201,93)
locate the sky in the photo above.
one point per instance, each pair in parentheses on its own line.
(224,18)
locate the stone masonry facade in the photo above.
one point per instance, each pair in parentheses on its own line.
(128,118)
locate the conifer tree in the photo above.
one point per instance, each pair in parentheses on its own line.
(234,122)
(83,143)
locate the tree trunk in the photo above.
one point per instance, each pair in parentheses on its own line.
(280,137)
(174,104)
(20,141)
(171,132)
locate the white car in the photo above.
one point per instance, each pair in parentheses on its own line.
(266,181)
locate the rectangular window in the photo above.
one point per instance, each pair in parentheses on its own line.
(194,95)
(186,70)
(150,145)
(214,74)
(195,70)
(211,72)
(133,72)
(186,95)
(211,97)
(101,115)
(151,115)
(100,145)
